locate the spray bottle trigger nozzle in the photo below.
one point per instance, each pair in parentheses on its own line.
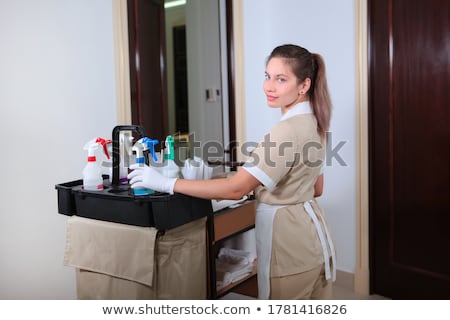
(104,143)
(151,146)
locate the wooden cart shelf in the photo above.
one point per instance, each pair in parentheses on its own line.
(223,225)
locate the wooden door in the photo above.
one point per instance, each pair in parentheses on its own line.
(147,66)
(409,102)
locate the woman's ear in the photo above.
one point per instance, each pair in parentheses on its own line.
(304,86)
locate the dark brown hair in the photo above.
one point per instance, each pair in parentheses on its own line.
(309,65)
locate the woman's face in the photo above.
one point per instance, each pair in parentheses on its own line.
(280,85)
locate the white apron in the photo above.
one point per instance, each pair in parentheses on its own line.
(263,231)
(265,214)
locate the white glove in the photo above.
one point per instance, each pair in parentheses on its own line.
(150,178)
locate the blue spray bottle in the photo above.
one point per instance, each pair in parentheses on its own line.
(142,147)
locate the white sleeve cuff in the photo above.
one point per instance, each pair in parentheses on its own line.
(261,176)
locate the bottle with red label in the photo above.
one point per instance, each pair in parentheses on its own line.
(92,172)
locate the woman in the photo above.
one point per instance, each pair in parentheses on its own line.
(296,258)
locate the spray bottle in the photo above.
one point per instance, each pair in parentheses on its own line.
(170,168)
(92,172)
(142,147)
(106,163)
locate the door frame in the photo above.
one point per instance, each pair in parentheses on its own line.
(121,62)
(361,280)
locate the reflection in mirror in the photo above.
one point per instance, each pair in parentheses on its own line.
(196,95)
(177,96)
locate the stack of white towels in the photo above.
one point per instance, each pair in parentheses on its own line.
(232,265)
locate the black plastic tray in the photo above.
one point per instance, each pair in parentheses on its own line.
(119,204)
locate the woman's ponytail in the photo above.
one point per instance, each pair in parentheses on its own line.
(319,96)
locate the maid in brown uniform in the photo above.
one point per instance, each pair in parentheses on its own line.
(296,255)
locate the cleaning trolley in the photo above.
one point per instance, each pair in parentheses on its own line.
(127,245)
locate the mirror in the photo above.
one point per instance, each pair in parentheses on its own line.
(179,68)
(194,69)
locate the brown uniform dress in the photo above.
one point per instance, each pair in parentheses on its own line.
(288,162)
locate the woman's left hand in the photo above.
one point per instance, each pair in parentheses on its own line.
(144,176)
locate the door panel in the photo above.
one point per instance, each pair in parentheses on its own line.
(409,102)
(147,66)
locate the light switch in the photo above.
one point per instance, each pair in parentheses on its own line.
(211,94)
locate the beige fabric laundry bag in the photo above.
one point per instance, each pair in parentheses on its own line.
(118,261)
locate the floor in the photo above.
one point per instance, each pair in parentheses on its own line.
(339,293)
(342,293)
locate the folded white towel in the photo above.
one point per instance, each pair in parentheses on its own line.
(222,204)
(227,273)
(223,279)
(234,260)
(247,255)
(232,265)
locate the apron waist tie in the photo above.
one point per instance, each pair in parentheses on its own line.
(329,274)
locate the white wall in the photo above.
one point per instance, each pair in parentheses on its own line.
(56,93)
(326,27)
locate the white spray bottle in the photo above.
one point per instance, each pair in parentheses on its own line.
(170,168)
(92,172)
